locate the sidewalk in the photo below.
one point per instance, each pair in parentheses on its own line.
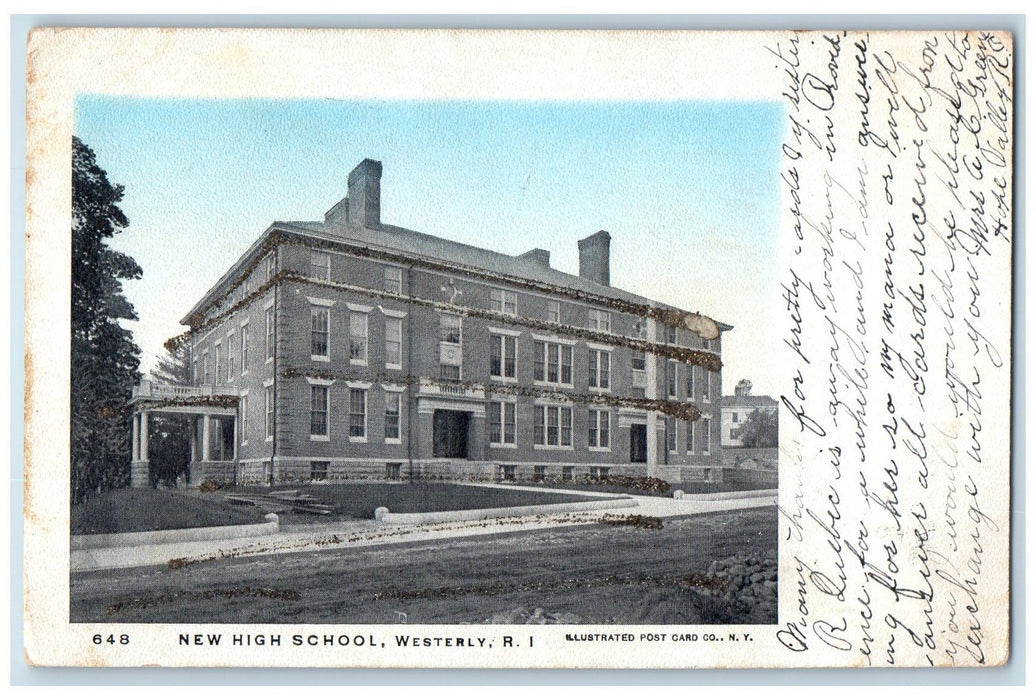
(366,533)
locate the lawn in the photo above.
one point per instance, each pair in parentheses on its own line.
(145,510)
(142,510)
(360,499)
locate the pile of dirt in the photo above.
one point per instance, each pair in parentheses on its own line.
(522,616)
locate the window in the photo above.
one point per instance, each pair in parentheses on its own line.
(205,367)
(196,375)
(554,311)
(268,395)
(392,402)
(707,389)
(690,438)
(638,360)
(502,423)
(600,429)
(243,409)
(670,335)
(244,348)
(269,334)
(394,280)
(502,357)
(566,472)
(357,414)
(217,364)
(539,473)
(600,320)
(449,328)
(503,301)
(670,433)
(320,266)
(734,417)
(552,363)
(230,357)
(706,433)
(600,369)
(507,472)
(690,382)
(357,338)
(449,346)
(392,470)
(320,320)
(552,426)
(318,411)
(318,470)
(670,380)
(394,342)
(599,473)
(271,266)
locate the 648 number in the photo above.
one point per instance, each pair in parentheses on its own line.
(111,639)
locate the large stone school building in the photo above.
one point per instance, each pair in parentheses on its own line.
(349,348)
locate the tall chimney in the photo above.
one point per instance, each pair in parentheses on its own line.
(594,254)
(365,194)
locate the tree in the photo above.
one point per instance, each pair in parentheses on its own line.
(759,429)
(104,359)
(170,443)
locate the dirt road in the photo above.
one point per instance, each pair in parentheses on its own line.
(594,574)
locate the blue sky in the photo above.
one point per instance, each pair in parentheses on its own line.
(688,190)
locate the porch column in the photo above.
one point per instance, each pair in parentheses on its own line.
(135,447)
(205,454)
(140,476)
(234,452)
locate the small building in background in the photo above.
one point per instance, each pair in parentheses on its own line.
(737,409)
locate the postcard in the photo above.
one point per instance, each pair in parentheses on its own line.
(518,349)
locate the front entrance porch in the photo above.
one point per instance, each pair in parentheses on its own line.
(213,429)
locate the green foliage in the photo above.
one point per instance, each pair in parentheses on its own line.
(104,358)
(759,429)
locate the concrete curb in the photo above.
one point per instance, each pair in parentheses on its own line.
(724,496)
(194,534)
(383,515)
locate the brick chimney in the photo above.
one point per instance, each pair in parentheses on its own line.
(743,388)
(538,256)
(364,199)
(594,254)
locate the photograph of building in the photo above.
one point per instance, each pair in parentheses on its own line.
(349,348)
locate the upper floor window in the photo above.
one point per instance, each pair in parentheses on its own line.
(690,437)
(357,338)
(319,322)
(671,379)
(734,417)
(394,280)
(502,357)
(554,311)
(217,363)
(205,367)
(271,266)
(600,369)
(449,328)
(706,435)
(503,301)
(552,362)
(269,333)
(196,375)
(244,348)
(268,396)
(670,335)
(670,434)
(600,320)
(231,359)
(691,369)
(394,342)
(320,266)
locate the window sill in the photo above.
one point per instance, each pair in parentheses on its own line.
(392,441)
(600,449)
(319,438)
(558,448)
(503,445)
(357,439)
(396,367)
(600,390)
(551,384)
(358,363)
(504,380)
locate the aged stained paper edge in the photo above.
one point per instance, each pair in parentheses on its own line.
(42,147)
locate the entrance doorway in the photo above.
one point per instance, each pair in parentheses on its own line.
(638,442)
(450,434)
